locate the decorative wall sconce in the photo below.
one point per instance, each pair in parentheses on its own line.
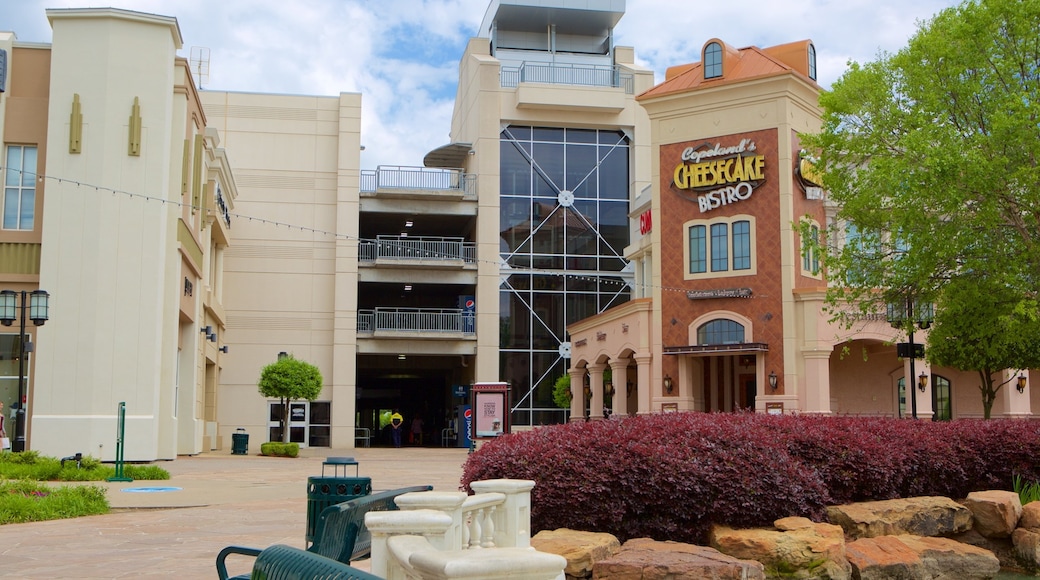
(1021,386)
(922,382)
(747,360)
(668,384)
(608,389)
(588,392)
(772,380)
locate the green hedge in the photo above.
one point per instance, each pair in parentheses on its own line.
(280,449)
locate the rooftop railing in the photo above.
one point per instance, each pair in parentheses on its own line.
(568,74)
(391,177)
(423,249)
(417,320)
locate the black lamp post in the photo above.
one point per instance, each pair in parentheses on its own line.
(897,314)
(12,308)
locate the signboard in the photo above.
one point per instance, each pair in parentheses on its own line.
(775,408)
(490,409)
(719,293)
(719,175)
(459,391)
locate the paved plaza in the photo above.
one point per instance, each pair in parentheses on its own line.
(223,499)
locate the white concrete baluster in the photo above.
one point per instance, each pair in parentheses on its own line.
(513,519)
(488,539)
(475,529)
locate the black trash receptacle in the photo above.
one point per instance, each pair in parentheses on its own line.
(325,491)
(239,442)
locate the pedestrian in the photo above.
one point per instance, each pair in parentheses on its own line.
(396,422)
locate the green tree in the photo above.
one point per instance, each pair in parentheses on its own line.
(931,155)
(985,327)
(562,392)
(289,379)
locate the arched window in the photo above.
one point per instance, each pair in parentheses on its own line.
(713,60)
(812,61)
(720,331)
(941,399)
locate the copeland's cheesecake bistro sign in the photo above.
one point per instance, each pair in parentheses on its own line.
(715,175)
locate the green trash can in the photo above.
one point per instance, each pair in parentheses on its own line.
(327,490)
(239,442)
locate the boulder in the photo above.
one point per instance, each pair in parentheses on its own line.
(947,559)
(1027,547)
(1030,516)
(995,512)
(800,547)
(920,516)
(646,559)
(581,549)
(883,558)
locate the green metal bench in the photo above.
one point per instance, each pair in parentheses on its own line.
(340,532)
(280,562)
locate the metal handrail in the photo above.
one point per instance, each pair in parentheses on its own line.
(568,74)
(397,177)
(432,249)
(432,320)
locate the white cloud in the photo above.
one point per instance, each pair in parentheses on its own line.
(402,55)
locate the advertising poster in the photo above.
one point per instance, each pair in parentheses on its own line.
(490,414)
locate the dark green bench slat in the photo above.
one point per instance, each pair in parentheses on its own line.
(281,562)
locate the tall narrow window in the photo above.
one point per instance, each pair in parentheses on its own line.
(20,187)
(742,245)
(812,61)
(941,399)
(698,250)
(719,247)
(810,258)
(713,60)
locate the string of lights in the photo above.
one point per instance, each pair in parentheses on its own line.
(610,279)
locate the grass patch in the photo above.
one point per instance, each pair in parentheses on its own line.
(32,466)
(1027,491)
(31,501)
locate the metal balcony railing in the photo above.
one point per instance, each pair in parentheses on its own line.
(417,320)
(423,249)
(568,74)
(391,177)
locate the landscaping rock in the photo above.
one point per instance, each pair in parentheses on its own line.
(1001,547)
(646,559)
(581,549)
(1027,547)
(800,548)
(946,559)
(883,558)
(1030,516)
(996,512)
(920,516)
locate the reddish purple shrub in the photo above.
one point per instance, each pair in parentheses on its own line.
(672,476)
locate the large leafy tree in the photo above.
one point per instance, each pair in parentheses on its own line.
(289,379)
(931,154)
(985,327)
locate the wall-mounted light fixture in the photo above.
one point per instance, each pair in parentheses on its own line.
(922,382)
(223,349)
(608,389)
(283,355)
(668,384)
(212,337)
(1021,385)
(207,330)
(773,380)
(629,388)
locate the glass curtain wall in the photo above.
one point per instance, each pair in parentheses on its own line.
(564,227)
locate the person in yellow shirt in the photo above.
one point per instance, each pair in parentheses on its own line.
(396,424)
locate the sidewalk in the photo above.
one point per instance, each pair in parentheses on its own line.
(222,499)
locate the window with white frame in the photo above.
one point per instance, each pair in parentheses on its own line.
(810,251)
(719,248)
(20,187)
(713,60)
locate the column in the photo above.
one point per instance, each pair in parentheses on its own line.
(596,383)
(817,384)
(644,376)
(619,376)
(577,396)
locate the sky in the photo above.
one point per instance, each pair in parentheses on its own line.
(403,55)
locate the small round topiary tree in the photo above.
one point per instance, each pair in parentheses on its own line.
(289,379)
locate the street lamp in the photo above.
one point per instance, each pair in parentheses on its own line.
(10,310)
(898,313)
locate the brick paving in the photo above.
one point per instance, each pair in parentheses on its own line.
(224,499)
